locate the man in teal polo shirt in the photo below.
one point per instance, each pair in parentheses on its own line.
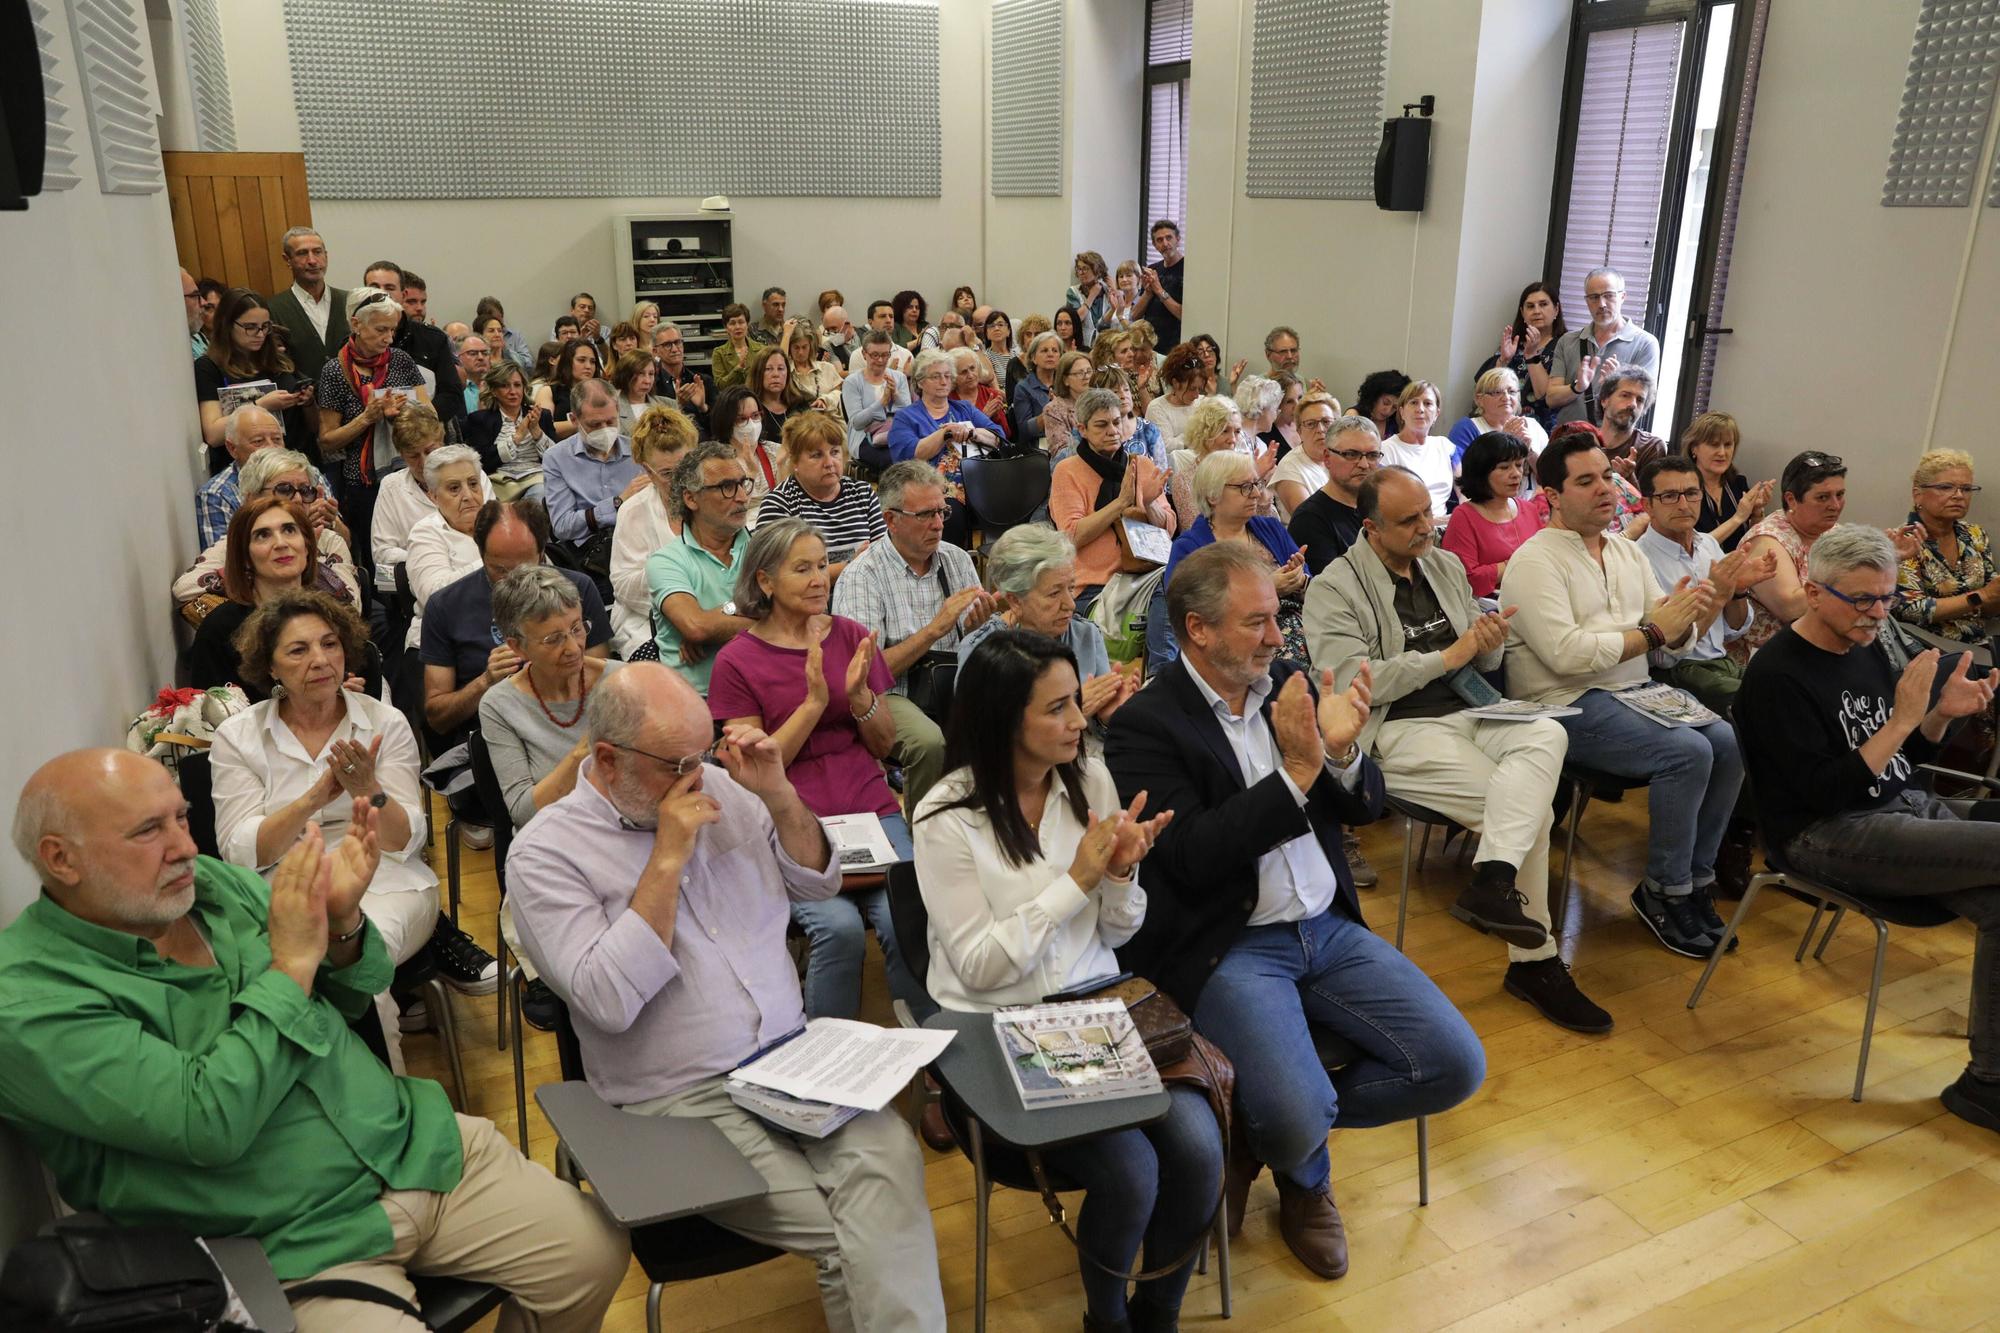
(174,1043)
(692,579)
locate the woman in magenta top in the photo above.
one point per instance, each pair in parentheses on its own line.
(816,683)
(1496,517)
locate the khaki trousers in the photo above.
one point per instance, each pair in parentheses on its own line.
(919,749)
(1496,778)
(509,1222)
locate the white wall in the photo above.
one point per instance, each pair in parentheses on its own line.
(1368,289)
(100,495)
(1842,308)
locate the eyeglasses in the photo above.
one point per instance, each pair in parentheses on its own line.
(260,326)
(577,633)
(292,491)
(1592,298)
(1947,488)
(681,767)
(923,515)
(1358,455)
(729,490)
(1316,424)
(1867,602)
(668,342)
(1676,497)
(1249,490)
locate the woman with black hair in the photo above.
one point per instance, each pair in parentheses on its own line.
(1068,325)
(1526,346)
(1028,867)
(247,346)
(1376,400)
(912,332)
(1496,518)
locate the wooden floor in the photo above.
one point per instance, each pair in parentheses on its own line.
(1701,1170)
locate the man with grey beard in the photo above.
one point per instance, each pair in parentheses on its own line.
(654,899)
(174,1043)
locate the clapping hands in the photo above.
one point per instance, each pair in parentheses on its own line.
(1114,846)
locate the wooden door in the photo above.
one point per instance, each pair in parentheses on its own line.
(229,211)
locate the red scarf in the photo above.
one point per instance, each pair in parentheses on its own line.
(364,376)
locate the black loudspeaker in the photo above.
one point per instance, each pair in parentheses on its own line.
(23,128)
(1403,164)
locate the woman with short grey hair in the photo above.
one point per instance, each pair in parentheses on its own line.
(1229,495)
(361,389)
(1031,571)
(816,684)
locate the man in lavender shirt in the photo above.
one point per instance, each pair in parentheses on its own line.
(654,899)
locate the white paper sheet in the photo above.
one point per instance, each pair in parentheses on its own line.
(859,843)
(847,1063)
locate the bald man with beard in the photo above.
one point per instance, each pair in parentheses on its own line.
(174,1043)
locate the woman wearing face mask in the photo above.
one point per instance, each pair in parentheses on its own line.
(872,396)
(738,419)
(441,546)
(815,683)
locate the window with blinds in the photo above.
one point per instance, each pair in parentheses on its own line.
(1622,148)
(1163,146)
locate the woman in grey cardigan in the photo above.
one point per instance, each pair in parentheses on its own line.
(870,397)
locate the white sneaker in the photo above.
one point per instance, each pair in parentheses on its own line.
(476,836)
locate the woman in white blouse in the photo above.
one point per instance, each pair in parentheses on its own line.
(1430,456)
(442,550)
(1028,867)
(645,523)
(305,755)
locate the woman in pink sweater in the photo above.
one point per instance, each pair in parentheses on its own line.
(1496,517)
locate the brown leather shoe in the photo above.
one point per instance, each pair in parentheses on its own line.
(936,1130)
(1311,1225)
(1237,1179)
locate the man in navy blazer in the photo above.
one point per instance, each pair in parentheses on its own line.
(1252,921)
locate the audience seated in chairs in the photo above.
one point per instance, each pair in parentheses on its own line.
(1031,572)
(1730,504)
(815,684)
(1252,923)
(1060,418)
(646,522)
(510,434)
(404,498)
(691,578)
(296,761)
(289,477)
(738,420)
(362,387)
(770,383)
(587,477)
(871,396)
(917,593)
(1214,426)
(244,432)
(941,430)
(973,383)
(1413,446)
(1589,610)
(1092,493)
(576,362)
(442,550)
(178,1053)
(1952,587)
(608,885)
(844,512)
(1403,607)
(1328,521)
(1836,711)
(531,720)
(1496,397)
(1227,496)
(269,550)
(1029,870)
(1496,516)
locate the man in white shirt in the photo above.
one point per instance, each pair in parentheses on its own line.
(1252,923)
(1589,611)
(882,315)
(1397,601)
(314,314)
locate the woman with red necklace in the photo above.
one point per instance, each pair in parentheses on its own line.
(361,389)
(533,721)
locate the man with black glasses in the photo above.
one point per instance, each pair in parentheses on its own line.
(1328,521)
(691,581)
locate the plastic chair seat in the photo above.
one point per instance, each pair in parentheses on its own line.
(451,1304)
(692,1247)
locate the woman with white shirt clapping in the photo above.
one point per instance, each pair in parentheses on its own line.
(1027,865)
(1431,457)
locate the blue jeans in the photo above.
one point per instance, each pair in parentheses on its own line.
(1156,1184)
(837,930)
(1418,1054)
(1693,774)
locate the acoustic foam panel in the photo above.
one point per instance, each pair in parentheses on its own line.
(1317,69)
(500,98)
(59,157)
(1027,154)
(112,54)
(208,76)
(1947,98)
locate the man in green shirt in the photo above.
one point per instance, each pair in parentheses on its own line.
(174,1043)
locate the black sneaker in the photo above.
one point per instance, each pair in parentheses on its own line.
(1492,905)
(1673,922)
(1974,1099)
(461,963)
(1704,912)
(1547,985)
(539,1006)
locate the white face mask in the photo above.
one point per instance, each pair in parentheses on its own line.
(749,432)
(599,441)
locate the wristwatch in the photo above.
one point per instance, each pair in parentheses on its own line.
(1974,600)
(729,608)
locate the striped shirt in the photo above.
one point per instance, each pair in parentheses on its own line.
(880,590)
(854,516)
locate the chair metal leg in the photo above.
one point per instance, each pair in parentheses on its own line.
(501,953)
(653,1294)
(1222,1258)
(1403,906)
(1874,994)
(1425,849)
(440,1007)
(1423,1161)
(976,1149)
(1559,910)
(451,848)
(1741,914)
(1819,910)
(516,983)
(1826,939)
